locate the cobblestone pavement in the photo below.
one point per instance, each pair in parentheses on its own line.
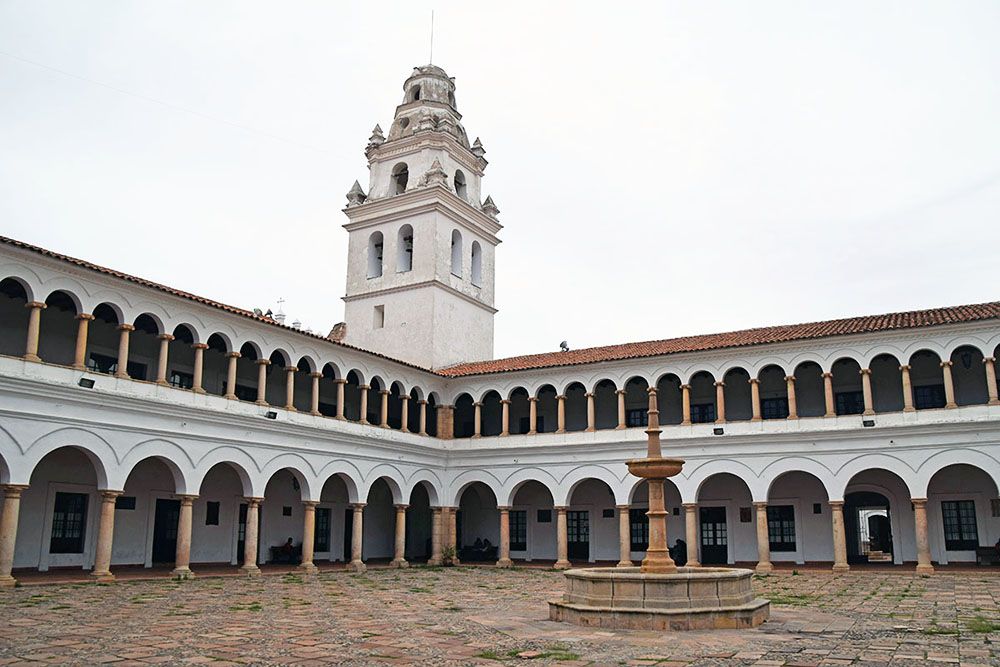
(479,615)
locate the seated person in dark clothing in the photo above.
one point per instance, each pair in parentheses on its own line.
(679,553)
(288,549)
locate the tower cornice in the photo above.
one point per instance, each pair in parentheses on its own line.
(428,139)
(436,198)
(425,283)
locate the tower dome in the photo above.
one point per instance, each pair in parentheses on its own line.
(428,104)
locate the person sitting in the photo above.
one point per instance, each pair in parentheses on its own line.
(679,553)
(288,548)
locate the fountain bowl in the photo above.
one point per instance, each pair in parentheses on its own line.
(694,598)
(655,468)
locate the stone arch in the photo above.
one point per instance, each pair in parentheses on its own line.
(300,469)
(697,478)
(791,464)
(392,475)
(239,461)
(963,456)
(467,479)
(564,492)
(25,286)
(456,253)
(347,473)
(177,460)
(432,485)
(514,483)
(375,254)
(94,447)
(404,249)
(969,375)
(851,469)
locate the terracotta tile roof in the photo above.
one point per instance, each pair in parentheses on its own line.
(242,312)
(732,339)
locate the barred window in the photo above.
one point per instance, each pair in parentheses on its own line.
(702,413)
(636,418)
(850,403)
(960,532)
(518,530)
(638,528)
(929,397)
(774,408)
(69,523)
(322,529)
(781,527)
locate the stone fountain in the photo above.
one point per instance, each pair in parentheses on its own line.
(659,595)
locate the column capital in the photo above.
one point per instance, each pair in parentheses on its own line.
(165,336)
(233,355)
(290,369)
(532,399)
(253,501)
(357,507)
(478,404)
(384,392)
(562,509)
(263,362)
(620,392)
(561,397)
(404,397)
(109,495)
(904,367)
(401,506)
(364,387)
(719,383)
(836,504)
(789,378)
(126,327)
(422,402)
(623,508)
(340,381)
(753,381)
(36,304)
(865,371)
(947,364)
(199,346)
(988,360)
(504,401)
(310,504)
(503,508)
(686,386)
(589,394)
(918,502)
(13,490)
(690,507)
(186,498)
(84,316)
(316,374)
(760,503)
(828,374)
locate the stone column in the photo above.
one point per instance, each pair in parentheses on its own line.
(504,560)
(197,384)
(793,411)
(308,536)
(182,558)
(621,409)
(532,415)
(907,389)
(591,413)
(314,400)
(8,531)
(249,567)
(562,539)
(262,365)
(624,537)
(839,536)
(451,514)
(763,540)
(691,533)
(123,335)
(423,417)
(560,414)
(357,538)
(504,417)
(82,329)
(340,398)
(720,402)
(231,375)
(290,387)
(363,388)
(686,404)
(436,527)
(991,380)
(866,391)
(477,420)
(923,544)
(755,399)
(35,309)
(831,407)
(949,385)
(404,415)
(383,408)
(399,557)
(162,361)
(105,536)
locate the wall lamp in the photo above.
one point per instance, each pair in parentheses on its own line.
(86,383)
(868,423)
(718,431)
(271,414)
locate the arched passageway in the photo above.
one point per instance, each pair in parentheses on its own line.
(960,513)
(878,519)
(726,528)
(591,523)
(532,523)
(477,525)
(799,521)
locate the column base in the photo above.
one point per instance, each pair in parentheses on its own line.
(399,562)
(868,413)
(433,562)
(120,376)
(925,569)
(199,390)
(32,357)
(764,568)
(625,563)
(102,577)
(841,567)
(692,563)
(307,568)
(994,402)
(262,403)
(163,383)
(620,427)
(911,409)
(562,565)
(182,573)
(79,367)
(830,414)
(341,418)
(357,566)
(505,563)
(291,408)
(7,581)
(250,570)
(230,397)
(950,406)
(756,419)
(316,413)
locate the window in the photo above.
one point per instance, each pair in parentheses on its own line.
(774,408)
(415,95)
(400,176)
(375,255)
(607,514)
(960,531)
(212,513)
(518,530)
(378,320)
(850,403)
(404,249)
(928,397)
(638,529)
(181,380)
(544,516)
(456,253)
(242,392)
(817,508)
(286,510)
(636,418)
(702,413)
(125,503)
(322,529)
(477,264)
(102,363)
(781,527)
(69,523)
(460,187)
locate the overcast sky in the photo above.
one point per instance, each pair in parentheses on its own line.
(661,169)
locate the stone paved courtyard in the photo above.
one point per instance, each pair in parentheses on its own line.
(480,615)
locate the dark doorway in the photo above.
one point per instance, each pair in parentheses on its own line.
(165,530)
(241,535)
(322,543)
(868,524)
(348,533)
(714,536)
(578,534)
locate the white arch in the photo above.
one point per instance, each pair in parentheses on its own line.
(574,477)
(431,483)
(347,472)
(244,465)
(791,464)
(696,478)
(513,484)
(300,468)
(177,460)
(460,483)
(392,475)
(851,468)
(97,449)
(962,456)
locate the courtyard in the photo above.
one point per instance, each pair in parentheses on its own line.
(482,615)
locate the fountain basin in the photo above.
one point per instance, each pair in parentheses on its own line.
(654,468)
(695,598)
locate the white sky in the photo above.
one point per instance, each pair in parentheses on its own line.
(661,170)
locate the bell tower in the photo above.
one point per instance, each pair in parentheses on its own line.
(420,266)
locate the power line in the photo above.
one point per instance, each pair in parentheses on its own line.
(168,105)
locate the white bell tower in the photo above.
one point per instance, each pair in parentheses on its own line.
(420,269)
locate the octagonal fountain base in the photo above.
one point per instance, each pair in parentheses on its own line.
(695,598)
